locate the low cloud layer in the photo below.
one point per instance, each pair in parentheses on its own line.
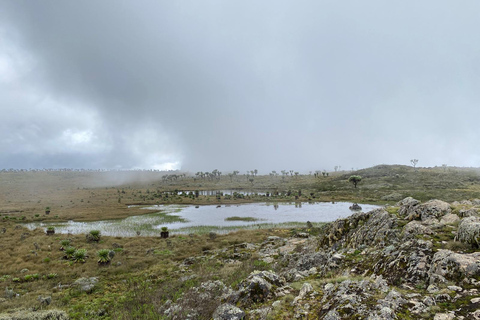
(238,85)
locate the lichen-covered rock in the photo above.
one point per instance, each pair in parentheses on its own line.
(449,218)
(415,228)
(259,286)
(393,300)
(200,302)
(45,301)
(452,266)
(407,206)
(36,315)
(306,288)
(358,300)
(469,231)
(228,311)
(409,262)
(377,230)
(86,284)
(444,316)
(304,262)
(433,209)
(375,227)
(468,212)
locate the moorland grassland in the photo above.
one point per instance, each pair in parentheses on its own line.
(142,274)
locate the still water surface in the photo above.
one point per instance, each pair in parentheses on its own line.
(209,215)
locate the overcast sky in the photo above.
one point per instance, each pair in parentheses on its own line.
(239,85)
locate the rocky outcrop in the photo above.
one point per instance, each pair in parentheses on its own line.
(372,228)
(377,230)
(433,209)
(356,300)
(407,263)
(374,265)
(412,209)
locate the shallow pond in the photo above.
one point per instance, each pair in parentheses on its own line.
(185,219)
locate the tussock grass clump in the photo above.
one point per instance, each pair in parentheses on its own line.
(93,236)
(80,255)
(64,244)
(103,256)
(69,251)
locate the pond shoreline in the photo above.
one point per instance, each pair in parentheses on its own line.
(179,218)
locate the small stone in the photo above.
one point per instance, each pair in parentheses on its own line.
(475,300)
(455,288)
(116,245)
(45,300)
(443,297)
(86,284)
(9,293)
(337,257)
(475,315)
(268,259)
(306,288)
(302,235)
(429,301)
(444,316)
(432,288)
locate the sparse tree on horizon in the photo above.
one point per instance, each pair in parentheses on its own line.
(414,163)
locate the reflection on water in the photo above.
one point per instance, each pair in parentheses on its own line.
(222,192)
(209,215)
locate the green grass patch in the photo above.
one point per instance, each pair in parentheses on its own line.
(246,219)
(227,229)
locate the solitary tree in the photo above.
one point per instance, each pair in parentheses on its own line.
(355,180)
(414,162)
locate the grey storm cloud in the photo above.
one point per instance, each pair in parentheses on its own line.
(270,85)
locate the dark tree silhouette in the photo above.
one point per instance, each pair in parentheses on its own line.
(355,180)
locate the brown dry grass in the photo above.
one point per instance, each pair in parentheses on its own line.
(22,249)
(90,196)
